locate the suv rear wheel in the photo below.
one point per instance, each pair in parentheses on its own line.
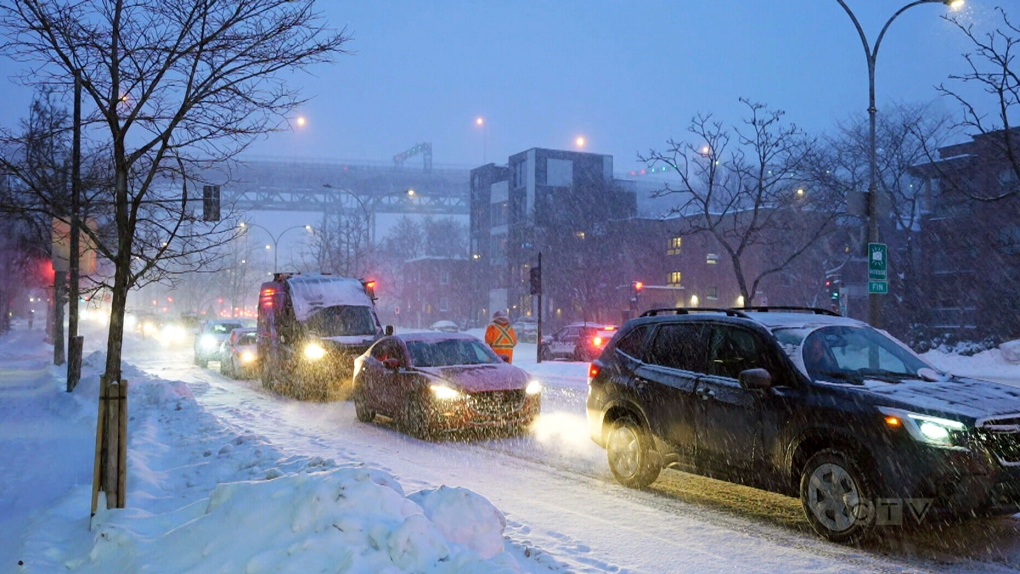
(631,454)
(837,498)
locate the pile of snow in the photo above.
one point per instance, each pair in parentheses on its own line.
(1011,351)
(203,498)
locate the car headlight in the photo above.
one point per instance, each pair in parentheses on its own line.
(444,392)
(936,431)
(314,351)
(247,356)
(209,343)
(533,388)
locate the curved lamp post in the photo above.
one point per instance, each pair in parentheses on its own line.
(871,53)
(275,238)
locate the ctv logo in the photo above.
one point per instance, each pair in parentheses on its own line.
(891,511)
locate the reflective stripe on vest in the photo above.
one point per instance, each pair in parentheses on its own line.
(503,340)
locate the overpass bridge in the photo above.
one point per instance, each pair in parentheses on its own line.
(338,187)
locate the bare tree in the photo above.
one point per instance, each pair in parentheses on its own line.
(992,67)
(748,188)
(174,86)
(905,133)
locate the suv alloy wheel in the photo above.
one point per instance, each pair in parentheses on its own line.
(630,452)
(837,498)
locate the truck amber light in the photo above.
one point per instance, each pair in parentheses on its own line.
(893,421)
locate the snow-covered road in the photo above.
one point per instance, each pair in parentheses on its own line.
(560,498)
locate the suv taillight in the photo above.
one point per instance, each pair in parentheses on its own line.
(597,341)
(593,371)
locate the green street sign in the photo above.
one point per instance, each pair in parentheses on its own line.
(878,262)
(878,287)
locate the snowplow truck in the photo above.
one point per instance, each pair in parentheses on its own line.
(310,329)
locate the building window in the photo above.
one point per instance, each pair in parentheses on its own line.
(674,245)
(444,304)
(444,278)
(712,258)
(499,214)
(674,278)
(712,294)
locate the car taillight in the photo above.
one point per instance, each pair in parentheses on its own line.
(597,341)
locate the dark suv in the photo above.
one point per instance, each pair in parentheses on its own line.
(805,403)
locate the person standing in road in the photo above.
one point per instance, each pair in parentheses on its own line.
(501,337)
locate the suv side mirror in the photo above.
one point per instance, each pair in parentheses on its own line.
(391,363)
(389,330)
(755,379)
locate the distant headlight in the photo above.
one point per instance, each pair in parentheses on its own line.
(209,342)
(935,431)
(314,351)
(247,356)
(533,388)
(444,392)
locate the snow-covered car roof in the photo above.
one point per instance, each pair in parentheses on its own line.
(312,292)
(774,319)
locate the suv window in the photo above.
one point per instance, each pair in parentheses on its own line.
(733,349)
(679,346)
(633,343)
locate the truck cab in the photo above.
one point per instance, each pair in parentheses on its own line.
(311,326)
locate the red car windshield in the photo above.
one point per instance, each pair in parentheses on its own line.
(449,352)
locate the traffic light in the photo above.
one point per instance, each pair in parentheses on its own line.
(832,284)
(535,276)
(210,203)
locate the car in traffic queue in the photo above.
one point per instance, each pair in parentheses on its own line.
(433,383)
(810,404)
(210,339)
(239,354)
(577,342)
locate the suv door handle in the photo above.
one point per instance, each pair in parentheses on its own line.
(706,394)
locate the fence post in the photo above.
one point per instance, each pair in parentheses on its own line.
(97,474)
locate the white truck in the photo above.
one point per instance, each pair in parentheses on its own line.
(310,328)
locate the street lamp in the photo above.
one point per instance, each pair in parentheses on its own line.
(276,238)
(480,122)
(871,53)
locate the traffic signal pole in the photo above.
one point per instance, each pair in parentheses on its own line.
(536,289)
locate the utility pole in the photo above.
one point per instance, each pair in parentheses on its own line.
(74,342)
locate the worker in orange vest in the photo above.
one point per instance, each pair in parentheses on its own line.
(501,337)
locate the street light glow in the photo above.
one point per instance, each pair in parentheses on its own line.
(479,121)
(954,4)
(580,141)
(301,121)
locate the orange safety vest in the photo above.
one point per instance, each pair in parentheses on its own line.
(502,340)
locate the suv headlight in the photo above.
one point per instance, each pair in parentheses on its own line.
(209,342)
(533,388)
(936,431)
(314,351)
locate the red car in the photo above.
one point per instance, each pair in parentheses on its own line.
(437,382)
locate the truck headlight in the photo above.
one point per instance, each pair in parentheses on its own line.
(533,388)
(444,392)
(936,431)
(314,351)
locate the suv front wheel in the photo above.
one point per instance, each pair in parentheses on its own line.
(631,454)
(837,498)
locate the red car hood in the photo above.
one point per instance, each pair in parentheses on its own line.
(480,378)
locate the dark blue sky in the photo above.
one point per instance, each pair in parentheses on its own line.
(625,75)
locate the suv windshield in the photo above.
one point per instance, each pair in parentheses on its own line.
(343,320)
(849,354)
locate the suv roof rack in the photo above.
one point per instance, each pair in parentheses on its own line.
(768,308)
(689,310)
